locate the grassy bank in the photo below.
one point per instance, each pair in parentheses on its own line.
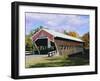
(57,61)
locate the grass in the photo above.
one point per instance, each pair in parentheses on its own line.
(57,61)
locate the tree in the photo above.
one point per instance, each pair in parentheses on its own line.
(73,34)
(85,38)
(28,43)
(37,29)
(65,32)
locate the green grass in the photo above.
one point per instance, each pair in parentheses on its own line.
(58,61)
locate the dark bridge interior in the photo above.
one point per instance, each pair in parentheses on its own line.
(44,46)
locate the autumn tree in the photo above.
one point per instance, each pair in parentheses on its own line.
(85,38)
(73,34)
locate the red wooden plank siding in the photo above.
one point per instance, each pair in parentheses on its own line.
(67,43)
(42,33)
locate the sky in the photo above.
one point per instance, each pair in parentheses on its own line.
(57,22)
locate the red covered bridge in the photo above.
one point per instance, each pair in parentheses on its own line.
(47,41)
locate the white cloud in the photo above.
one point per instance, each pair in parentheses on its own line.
(76,20)
(58,21)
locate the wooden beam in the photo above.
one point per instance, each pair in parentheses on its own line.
(37,48)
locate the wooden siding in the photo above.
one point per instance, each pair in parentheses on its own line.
(42,34)
(68,47)
(67,43)
(61,45)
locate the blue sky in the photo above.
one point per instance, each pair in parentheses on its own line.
(57,22)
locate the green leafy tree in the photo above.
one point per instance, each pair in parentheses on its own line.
(65,32)
(28,43)
(37,29)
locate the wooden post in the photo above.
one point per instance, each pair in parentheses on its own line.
(37,48)
(57,49)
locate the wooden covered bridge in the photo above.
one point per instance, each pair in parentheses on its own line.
(49,41)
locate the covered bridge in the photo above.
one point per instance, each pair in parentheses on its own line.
(47,41)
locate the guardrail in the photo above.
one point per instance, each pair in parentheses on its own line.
(28,52)
(51,53)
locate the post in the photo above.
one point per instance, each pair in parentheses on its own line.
(37,48)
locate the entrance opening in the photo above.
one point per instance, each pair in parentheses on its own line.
(44,46)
